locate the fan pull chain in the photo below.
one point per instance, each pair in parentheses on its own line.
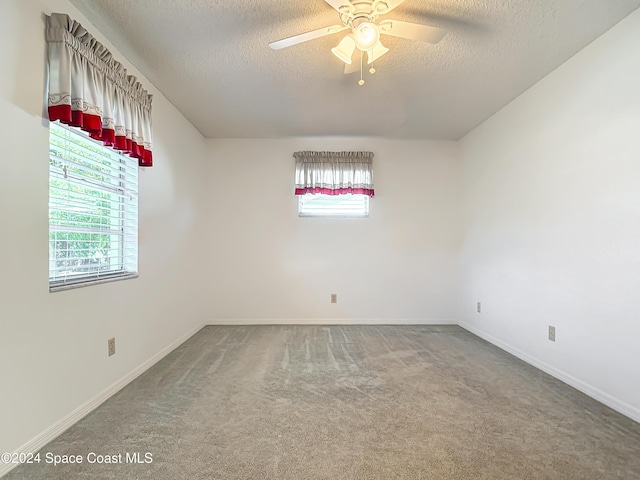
(361,82)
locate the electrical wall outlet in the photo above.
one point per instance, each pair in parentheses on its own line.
(479,307)
(111,344)
(334,298)
(552,333)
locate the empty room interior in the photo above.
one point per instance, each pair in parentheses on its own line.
(320,239)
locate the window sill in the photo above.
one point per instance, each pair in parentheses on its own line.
(88,282)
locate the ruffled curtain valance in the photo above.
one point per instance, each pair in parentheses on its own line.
(90,90)
(334,173)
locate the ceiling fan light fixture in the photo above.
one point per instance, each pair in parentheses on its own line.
(366,35)
(361,19)
(344,50)
(376,52)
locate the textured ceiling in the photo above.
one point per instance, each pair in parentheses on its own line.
(211,59)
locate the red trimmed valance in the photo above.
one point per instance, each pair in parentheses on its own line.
(90,90)
(334,173)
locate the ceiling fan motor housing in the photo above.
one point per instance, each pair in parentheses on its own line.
(360,17)
(359,12)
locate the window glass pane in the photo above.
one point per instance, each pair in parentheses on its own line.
(333,205)
(93,209)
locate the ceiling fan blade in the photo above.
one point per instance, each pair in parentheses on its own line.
(342,6)
(305,37)
(382,7)
(412,31)
(353,67)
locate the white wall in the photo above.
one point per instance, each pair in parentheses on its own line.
(53,346)
(552,187)
(269,265)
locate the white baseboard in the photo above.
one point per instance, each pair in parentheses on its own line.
(332,321)
(612,402)
(60,426)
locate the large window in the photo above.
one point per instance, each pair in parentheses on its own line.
(93,211)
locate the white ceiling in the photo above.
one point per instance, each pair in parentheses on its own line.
(210,58)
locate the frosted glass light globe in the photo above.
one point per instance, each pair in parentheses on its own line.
(366,36)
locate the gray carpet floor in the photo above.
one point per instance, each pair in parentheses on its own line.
(347,402)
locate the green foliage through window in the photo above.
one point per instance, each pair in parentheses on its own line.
(92,208)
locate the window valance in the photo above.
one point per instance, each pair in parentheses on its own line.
(334,173)
(91,90)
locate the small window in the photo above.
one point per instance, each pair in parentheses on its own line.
(93,211)
(319,205)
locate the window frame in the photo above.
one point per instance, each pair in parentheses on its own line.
(97,178)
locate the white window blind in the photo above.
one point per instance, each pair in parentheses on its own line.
(333,205)
(93,211)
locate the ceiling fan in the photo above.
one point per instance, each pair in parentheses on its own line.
(361,18)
